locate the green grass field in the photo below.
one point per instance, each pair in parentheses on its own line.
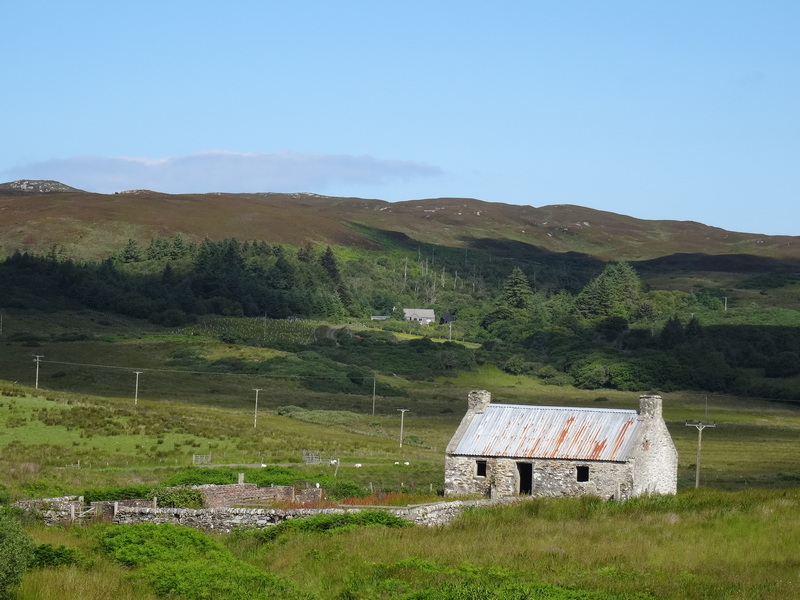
(734,538)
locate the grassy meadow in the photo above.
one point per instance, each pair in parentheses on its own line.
(736,537)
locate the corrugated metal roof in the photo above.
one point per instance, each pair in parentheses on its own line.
(550,432)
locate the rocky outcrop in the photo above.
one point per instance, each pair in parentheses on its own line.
(33,187)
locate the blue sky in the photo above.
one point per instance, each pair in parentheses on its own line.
(658,110)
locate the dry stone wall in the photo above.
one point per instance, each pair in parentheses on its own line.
(226,495)
(226,519)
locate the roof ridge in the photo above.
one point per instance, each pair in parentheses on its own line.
(547,407)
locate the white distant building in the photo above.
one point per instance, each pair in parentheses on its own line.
(423,316)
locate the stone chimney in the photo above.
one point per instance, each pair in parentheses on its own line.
(478,400)
(650,406)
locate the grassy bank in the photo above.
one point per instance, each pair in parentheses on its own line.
(705,544)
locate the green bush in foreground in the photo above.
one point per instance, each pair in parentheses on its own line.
(16,553)
(328,523)
(47,555)
(177,561)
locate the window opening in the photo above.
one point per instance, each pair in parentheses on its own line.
(583,473)
(480,468)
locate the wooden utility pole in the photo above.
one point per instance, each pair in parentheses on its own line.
(700,426)
(403,412)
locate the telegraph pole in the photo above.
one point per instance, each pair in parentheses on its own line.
(403,412)
(37,359)
(136,389)
(700,426)
(255,412)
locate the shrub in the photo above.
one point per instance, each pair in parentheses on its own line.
(145,543)
(110,494)
(16,553)
(181,562)
(204,579)
(345,489)
(195,476)
(328,523)
(178,497)
(47,555)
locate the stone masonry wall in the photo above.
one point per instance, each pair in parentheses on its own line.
(225,519)
(235,493)
(105,509)
(655,461)
(607,480)
(460,477)
(550,478)
(55,510)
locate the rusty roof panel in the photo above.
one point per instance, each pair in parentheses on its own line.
(551,432)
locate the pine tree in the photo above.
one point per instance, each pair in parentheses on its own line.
(328,262)
(672,334)
(131,252)
(693,329)
(616,292)
(517,292)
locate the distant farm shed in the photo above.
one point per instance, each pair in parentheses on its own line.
(423,316)
(502,450)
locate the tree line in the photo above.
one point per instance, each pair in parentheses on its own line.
(578,323)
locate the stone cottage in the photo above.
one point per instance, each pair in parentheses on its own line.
(502,450)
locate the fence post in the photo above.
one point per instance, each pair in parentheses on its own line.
(155,501)
(116,508)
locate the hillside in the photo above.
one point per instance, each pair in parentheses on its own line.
(36,215)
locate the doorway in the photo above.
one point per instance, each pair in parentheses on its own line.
(525,472)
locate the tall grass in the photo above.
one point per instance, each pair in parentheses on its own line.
(697,545)
(102,581)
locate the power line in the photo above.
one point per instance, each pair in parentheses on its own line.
(269,375)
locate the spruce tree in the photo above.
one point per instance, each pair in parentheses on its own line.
(517,292)
(616,292)
(328,262)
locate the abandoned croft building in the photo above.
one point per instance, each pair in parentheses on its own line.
(502,450)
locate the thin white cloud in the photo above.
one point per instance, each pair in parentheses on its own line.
(222,171)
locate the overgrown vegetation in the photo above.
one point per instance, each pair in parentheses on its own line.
(701,544)
(16,553)
(179,561)
(331,523)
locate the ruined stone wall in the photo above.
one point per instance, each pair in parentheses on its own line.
(55,511)
(105,509)
(236,493)
(460,477)
(226,519)
(551,478)
(607,480)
